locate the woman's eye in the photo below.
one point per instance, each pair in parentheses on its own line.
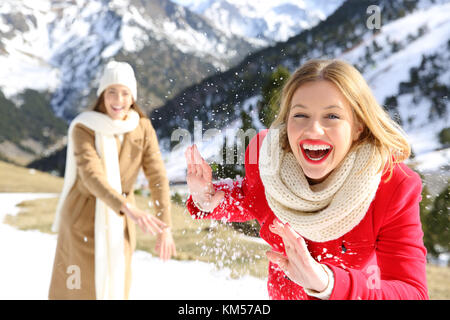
(330,116)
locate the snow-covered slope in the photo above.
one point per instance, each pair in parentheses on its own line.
(263,21)
(24,47)
(425,32)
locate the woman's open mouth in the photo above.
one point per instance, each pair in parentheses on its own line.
(315,152)
(117,109)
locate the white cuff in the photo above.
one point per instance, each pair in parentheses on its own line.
(200,207)
(325,294)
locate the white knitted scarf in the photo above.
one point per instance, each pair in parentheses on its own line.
(324,211)
(109,227)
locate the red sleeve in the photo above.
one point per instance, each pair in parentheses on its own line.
(231,209)
(241,195)
(400,272)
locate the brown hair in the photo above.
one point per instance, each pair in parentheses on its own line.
(99,106)
(380,130)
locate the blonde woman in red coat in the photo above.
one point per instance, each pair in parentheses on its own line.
(328,185)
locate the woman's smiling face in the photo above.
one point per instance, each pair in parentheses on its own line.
(118,100)
(320,118)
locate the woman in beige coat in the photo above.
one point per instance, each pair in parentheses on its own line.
(77,272)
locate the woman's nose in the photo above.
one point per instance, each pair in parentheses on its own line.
(315,127)
(119,99)
(115,98)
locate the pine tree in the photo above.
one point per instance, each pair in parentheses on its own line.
(435,219)
(426,206)
(271,92)
(438,222)
(246,120)
(444,137)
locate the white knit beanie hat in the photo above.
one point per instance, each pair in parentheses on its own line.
(118,73)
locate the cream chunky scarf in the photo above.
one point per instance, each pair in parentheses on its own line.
(109,243)
(324,211)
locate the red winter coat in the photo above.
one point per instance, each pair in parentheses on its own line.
(383,257)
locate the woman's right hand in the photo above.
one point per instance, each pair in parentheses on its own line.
(199,180)
(144,220)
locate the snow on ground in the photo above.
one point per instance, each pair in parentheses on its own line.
(27,261)
(155,279)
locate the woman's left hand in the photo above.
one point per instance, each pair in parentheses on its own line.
(298,264)
(165,245)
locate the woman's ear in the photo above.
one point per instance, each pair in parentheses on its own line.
(358,129)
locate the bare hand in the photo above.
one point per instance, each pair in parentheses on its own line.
(199,180)
(144,220)
(298,264)
(165,245)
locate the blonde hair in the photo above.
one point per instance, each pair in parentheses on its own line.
(380,130)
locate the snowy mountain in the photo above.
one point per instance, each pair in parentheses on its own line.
(61,46)
(405,62)
(24,47)
(264,21)
(58,47)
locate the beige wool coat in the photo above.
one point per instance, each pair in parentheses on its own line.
(75,245)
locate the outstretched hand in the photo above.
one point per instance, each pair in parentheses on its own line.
(298,264)
(199,180)
(165,245)
(147,222)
